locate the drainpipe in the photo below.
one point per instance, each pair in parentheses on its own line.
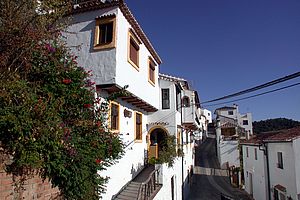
(265,149)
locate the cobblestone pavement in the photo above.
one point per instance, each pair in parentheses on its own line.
(210,187)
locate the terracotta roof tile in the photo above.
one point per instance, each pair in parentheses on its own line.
(272,136)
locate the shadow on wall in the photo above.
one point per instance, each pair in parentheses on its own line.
(136,169)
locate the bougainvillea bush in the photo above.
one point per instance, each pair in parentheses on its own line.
(50,121)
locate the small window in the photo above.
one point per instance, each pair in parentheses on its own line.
(255,153)
(185,101)
(133,50)
(165,93)
(247,152)
(151,71)
(114,116)
(245,122)
(138,126)
(280,160)
(105,33)
(230,112)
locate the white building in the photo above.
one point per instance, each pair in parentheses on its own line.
(272,165)
(231,127)
(109,41)
(243,120)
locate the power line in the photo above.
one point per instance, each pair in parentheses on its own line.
(270,83)
(275,90)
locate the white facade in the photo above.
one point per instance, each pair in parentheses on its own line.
(111,66)
(111,71)
(243,120)
(255,174)
(274,170)
(288,176)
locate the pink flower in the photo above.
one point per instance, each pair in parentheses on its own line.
(98,161)
(87,105)
(67,81)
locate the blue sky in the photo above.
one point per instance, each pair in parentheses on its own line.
(224,46)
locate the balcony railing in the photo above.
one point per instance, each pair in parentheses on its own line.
(149,188)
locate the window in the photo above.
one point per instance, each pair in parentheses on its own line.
(279,192)
(172,188)
(230,112)
(138,126)
(245,122)
(280,160)
(105,33)
(255,153)
(247,152)
(114,116)
(185,101)
(133,49)
(165,94)
(151,71)
(178,136)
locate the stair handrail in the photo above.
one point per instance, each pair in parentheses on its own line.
(146,185)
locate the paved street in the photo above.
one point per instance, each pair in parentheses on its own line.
(210,187)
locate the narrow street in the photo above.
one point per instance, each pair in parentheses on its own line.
(210,187)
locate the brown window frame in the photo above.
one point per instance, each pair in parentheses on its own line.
(138,136)
(117,128)
(151,71)
(133,39)
(97,35)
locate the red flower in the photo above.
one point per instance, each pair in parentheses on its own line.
(87,105)
(67,81)
(98,161)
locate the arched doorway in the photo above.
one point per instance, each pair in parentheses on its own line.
(156,140)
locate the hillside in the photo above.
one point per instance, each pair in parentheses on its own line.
(274,124)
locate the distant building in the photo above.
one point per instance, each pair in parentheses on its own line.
(231,127)
(272,165)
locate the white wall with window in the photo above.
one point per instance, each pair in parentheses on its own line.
(283,169)
(255,174)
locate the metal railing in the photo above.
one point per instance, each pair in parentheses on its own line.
(148,187)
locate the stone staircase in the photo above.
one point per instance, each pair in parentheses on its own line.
(143,187)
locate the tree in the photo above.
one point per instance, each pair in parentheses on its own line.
(50,122)
(274,125)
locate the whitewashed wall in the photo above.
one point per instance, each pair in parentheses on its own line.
(189,113)
(258,170)
(111,66)
(133,160)
(126,74)
(229,152)
(286,176)
(80,39)
(168,172)
(247,116)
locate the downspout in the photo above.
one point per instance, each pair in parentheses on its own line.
(268,169)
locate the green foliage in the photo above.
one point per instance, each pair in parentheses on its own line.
(168,152)
(51,123)
(274,125)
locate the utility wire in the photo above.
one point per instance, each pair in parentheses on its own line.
(275,90)
(286,78)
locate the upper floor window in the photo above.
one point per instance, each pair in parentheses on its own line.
(185,101)
(138,126)
(165,93)
(280,160)
(247,152)
(255,153)
(133,49)
(245,122)
(230,112)
(105,33)
(151,65)
(114,116)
